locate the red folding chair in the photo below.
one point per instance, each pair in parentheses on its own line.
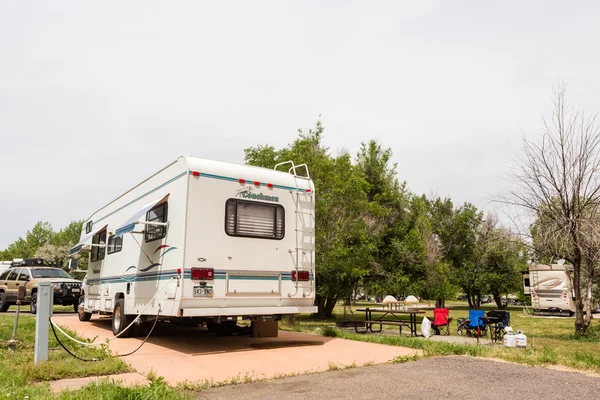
(441,321)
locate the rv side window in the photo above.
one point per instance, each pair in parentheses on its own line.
(157,214)
(253,219)
(526,282)
(98,252)
(115,244)
(88,226)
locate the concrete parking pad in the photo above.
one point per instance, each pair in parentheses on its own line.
(182,354)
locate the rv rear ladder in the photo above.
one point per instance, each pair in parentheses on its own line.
(305,224)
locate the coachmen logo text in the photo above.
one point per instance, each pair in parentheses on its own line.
(249,194)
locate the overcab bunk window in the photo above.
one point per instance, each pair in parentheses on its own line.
(97,253)
(254,219)
(157,214)
(115,244)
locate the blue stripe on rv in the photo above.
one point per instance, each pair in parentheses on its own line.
(161,275)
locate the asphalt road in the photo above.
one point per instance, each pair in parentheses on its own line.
(442,377)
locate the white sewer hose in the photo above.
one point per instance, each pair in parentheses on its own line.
(120,333)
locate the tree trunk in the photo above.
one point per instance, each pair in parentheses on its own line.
(498,300)
(589,284)
(580,325)
(320,302)
(348,300)
(469,299)
(329,306)
(474,300)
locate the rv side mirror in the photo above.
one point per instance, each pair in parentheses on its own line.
(72,264)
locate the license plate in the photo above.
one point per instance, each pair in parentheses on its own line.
(75,290)
(203,291)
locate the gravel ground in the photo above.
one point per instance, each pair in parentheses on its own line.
(442,377)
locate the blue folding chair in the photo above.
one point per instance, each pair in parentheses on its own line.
(475,325)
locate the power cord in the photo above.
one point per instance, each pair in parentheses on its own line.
(128,326)
(100,359)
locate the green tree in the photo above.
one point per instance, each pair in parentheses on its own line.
(456,229)
(69,235)
(38,236)
(501,255)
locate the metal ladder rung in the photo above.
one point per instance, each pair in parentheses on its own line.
(305,230)
(305,249)
(304,212)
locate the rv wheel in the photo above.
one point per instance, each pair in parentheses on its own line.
(120,321)
(83,316)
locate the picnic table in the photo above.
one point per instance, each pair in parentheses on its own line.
(384,318)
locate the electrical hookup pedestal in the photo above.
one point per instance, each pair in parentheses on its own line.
(45,303)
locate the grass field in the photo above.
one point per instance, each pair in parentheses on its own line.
(551,341)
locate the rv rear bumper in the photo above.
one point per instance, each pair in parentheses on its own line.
(240,311)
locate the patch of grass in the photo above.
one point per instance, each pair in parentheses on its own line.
(547,356)
(329,331)
(210,383)
(60,365)
(405,359)
(158,389)
(19,377)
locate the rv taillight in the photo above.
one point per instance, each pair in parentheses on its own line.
(241,180)
(270,185)
(196,173)
(300,275)
(203,273)
(256,183)
(307,190)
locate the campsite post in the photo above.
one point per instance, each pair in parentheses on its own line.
(45,300)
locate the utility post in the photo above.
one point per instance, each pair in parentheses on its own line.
(14,342)
(45,297)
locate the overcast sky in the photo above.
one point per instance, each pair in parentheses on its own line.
(96,96)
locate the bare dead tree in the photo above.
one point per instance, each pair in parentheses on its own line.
(558,185)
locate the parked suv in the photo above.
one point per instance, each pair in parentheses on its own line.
(29,273)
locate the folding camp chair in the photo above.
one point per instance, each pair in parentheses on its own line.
(473,326)
(502,320)
(441,321)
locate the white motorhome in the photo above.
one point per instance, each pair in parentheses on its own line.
(550,287)
(203,241)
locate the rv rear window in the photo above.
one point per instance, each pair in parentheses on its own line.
(254,219)
(157,214)
(97,253)
(115,244)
